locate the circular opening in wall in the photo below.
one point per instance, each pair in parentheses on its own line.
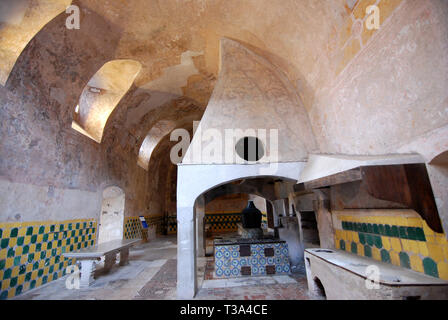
(250,149)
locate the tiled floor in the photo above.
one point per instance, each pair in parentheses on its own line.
(152,273)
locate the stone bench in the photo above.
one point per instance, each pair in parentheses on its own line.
(90,256)
(340,275)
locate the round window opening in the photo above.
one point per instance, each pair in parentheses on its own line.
(250,149)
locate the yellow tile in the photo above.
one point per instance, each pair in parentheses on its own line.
(39,282)
(26,286)
(22,232)
(414,222)
(443,270)
(6,233)
(34,275)
(44,246)
(9,262)
(29,267)
(19,251)
(41,264)
(15,272)
(386,243)
(436,252)
(21,279)
(40,238)
(428,231)
(27,240)
(376,254)
(406,244)
(395,258)
(360,250)
(441,239)
(414,246)
(423,249)
(11,293)
(5,284)
(12,242)
(32,248)
(396,244)
(3,254)
(416,263)
(355,237)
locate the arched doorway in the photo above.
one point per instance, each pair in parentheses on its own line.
(112,215)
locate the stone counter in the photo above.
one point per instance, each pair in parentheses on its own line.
(248,257)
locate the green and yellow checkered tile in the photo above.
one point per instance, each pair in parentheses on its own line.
(31,252)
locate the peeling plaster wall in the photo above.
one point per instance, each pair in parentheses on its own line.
(48,170)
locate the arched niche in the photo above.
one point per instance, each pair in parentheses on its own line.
(112,215)
(20,21)
(102,94)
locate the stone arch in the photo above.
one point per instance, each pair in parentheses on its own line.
(193,182)
(20,21)
(102,94)
(112,214)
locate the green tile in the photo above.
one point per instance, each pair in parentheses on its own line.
(19,290)
(69,226)
(43,254)
(20,241)
(17,261)
(30,257)
(369,239)
(4,243)
(368,251)
(52,228)
(394,232)
(378,242)
(29,231)
(14,232)
(11,253)
(44,280)
(7,274)
(77,225)
(33,284)
(364,227)
(420,234)
(22,269)
(362,238)
(430,267)
(354,248)
(2,264)
(376,229)
(369,228)
(4,295)
(404,260)
(403,233)
(36,265)
(61,227)
(28,277)
(382,230)
(26,249)
(412,234)
(1,233)
(38,247)
(49,245)
(342,244)
(40,272)
(13,282)
(41,229)
(45,237)
(385,256)
(388,230)
(33,238)
(55,276)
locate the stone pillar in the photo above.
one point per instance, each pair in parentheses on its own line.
(324,220)
(124,257)
(186,253)
(200,231)
(88,268)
